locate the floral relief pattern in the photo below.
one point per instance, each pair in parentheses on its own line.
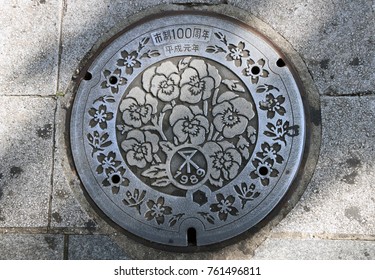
(238,53)
(115,179)
(224,207)
(184,125)
(232,114)
(100,116)
(170,115)
(113,80)
(273,105)
(140,147)
(157,210)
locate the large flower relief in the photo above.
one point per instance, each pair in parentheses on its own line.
(138,107)
(225,161)
(198,81)
(162,81)
(140,147)
(189,124)
(232,114)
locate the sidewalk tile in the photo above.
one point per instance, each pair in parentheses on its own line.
(26,145)
(31,247)
(94,247)
(315,249)
(29,33)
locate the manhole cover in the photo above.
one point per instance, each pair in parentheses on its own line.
(187,129)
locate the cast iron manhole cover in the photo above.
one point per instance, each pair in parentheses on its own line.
(187,129)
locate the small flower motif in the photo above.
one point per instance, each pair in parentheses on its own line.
(280,130)
(140,147)
(98,141)
(246,193)
(225,159)
(134,199)
(271,152)
(189,124)
(129,61)
(157,210)
(115,179)
(198,81)
(100,116)
(263,170)
(272,105)
(237,53)
(113,80)
(255,70)
(224,206)
(108,163)
(138,107)
(162,81)
(232,114)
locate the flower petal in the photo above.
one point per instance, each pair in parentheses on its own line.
(178,130)
(156,83)
(147,77)
(174,78)
(168,97)
(166,68)
(221,108)
(199,138)
(137,94)
(214,74)
(153,102)
(210,148)
(148,155)
(226,96)
(236,129)
(127,103)
(244,107)
(130,157)
(215,207)
(203,122)
(153,139)
(235,155)
(201,67)
(209,86)
(180,112)
(137,135)
(187,96)
(218,122)
(128,144)
(233,170)
(187,74)
(129,119)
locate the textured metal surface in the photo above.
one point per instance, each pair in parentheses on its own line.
(187,122)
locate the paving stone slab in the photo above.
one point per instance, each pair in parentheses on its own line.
(29,33)
(315,249)
(26,145)
(94,247)
(335,38)
(341,196)
(31,247)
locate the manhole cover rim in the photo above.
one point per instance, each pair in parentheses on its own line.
(78,149)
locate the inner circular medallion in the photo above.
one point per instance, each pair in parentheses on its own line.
(191,111)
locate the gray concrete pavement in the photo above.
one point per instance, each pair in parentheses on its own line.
(41,211)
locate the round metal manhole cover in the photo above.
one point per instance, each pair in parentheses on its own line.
(187,129)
